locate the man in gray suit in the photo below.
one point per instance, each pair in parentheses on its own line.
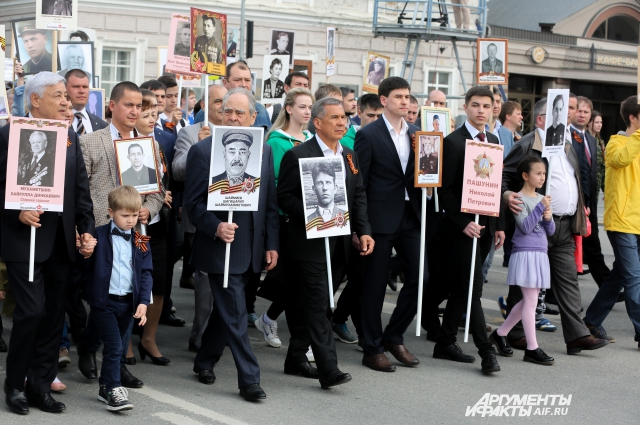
(492,64)
(187,137)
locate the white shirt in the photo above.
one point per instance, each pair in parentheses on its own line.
(326,150)
(563,186)
(115,134)
(88,128)
(178,125)
(474,132)
(403,145)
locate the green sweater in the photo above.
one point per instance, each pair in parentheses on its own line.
(349,138)
(280,143)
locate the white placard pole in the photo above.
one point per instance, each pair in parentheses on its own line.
(227,254)
(143,229)
(423,242)
(206,97)
(32,253)
(435,198)
(180,95)
(326,250)
(471,275)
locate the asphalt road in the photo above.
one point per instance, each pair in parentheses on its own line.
(602,384)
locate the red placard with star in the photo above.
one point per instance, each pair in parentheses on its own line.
(482,181)
(208,42)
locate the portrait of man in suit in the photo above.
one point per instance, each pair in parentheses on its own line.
(93,106)
(236,155)
(555,132)
(231,44)
(183,41)
(37,165)
(323,177)
(492,63)
(138,174)
(207,45)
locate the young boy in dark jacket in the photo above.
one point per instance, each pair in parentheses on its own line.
(118,289)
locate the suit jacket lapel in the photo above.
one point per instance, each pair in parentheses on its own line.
(110,152)
(383,132)
(314,148)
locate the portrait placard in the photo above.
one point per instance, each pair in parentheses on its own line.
(482,179)
(37,156)
(428,159)
(3,48)
(282,43)
(137,165)
(76,55)
(179,47)
(331,51)
(8,69)
(78,34)
(233,40)
(274,70)
(236,163)
(38,55)
(436,119)
(208,42)
(324,197)
(4,104)
(375,70)
(556,122)
(96,102)
(57,14)
(492,61)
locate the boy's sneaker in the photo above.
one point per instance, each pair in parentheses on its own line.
(600,333)
(270,332)
(502,303)
(341,331)
(102,394)
(118,399)
(63,357)
(545,325)
(252,318)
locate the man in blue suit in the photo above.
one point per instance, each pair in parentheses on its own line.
(386,157)
(252,235)
(78,90)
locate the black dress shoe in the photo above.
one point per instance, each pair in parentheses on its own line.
(161,361)
(131,361)
(452,352)
(45,402)
(127,379)
(87,363)
(253,392)
(584,272)
(538,356)
(187,282)
(501,343)
(334,378)
(193,347)
(393,283)
(490,364)
(16,400)
(171,320)
(305,369)
(206,376)
(551,311)
(3,346)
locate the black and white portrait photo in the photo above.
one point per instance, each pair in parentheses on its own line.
(282,43)
(34,46)
(208,43)
(36,163)
(236,160)
(137,164)
(4,110)
(274,71)
(233,36)
(96,105)
(57,7)
(376,70)
(76,55)
(331,51)
(324,196)
(556,121)
(57,15)
(492,63)
(182,46)
(428,159)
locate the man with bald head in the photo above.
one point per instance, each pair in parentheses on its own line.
(253,235)
(436,98)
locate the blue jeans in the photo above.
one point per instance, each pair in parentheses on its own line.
(625,273)
(114,328)
(65,342)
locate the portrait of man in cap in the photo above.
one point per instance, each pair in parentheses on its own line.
(323,176)
(236,154)
(138,174)
(33,42)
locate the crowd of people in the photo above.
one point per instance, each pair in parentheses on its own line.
(116,249)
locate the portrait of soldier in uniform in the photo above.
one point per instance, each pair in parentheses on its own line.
(183,41)
(33,42)
(207,45)
(36,165)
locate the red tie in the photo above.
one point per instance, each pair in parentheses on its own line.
(480,136)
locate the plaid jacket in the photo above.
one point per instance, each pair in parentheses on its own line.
(100,159)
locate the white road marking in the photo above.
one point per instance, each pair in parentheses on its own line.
(176,419)
(190,407)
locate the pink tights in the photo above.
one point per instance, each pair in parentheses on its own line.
(525,310)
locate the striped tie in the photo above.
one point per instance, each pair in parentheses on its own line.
(80,130)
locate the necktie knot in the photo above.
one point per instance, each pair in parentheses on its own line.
(80,128)
(117,232)
(481,137)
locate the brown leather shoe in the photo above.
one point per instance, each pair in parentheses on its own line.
(401,354)
(378,362)
(518,343)
(585,343)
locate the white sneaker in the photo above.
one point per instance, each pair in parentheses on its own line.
(270,332)
(310,355)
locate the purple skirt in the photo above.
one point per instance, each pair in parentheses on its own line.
(529,269)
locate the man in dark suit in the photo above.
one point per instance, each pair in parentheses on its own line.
(387,167)
(237,144)
(307,307)
(138,174)
(252,235)
(38,165)
(78,90)
(585,145)
(460,229)
(555,132)
(39,313)
(492,64)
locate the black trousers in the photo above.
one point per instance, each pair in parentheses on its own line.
(437,290)
(459,250)
(228,326)
(406,241)
(187,248)
(38,319)
(350,299)
(75,308)
(306,311)
(592,252)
